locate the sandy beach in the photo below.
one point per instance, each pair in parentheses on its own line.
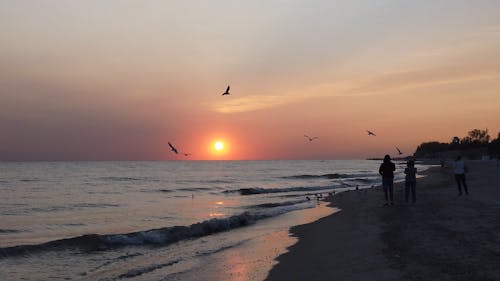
(441,237)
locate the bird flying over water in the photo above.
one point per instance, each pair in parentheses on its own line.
(227,91)
(370,133)
(399,151)
(186,154)
(173,148)
(311,138)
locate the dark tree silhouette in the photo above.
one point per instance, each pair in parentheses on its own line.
(479,136)
(476,143)
(494,147)
(455,143)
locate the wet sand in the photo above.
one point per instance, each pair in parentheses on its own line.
(441,237)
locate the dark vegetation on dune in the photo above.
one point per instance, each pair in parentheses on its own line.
(476,145)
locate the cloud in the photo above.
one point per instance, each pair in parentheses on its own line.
(403,80)
(253,103)
(387,83)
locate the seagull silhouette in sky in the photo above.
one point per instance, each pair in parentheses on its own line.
(173,148)
(227,91)
(370,133)
(399,151)
(186,154)
(311,138)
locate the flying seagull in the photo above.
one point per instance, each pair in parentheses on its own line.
(370,133)
(227,91)
(186,154)
(399,151)
(173,148)
(311,138)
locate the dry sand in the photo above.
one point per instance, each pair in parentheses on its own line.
(441,237)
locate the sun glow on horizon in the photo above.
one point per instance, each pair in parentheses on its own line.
(219,145)
(220,148)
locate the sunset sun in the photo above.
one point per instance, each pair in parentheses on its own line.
(219,146)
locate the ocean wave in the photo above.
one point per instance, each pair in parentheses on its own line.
(163,190)
(258,190)
(358,182)
(53,209)
(29,180)
(121,179)
(326,176)
(219,181)
(117,259)
(332,176)
(9,231)
(278,204)
(139,271)
(161,236)
(193,189)
(94,205)
(365,180)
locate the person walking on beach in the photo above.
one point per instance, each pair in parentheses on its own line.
(387,169)
(410,180)
(459,169)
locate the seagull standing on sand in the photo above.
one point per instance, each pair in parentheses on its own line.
(370,133)
(173,148)
(227,91)
(311,138)
(399,151)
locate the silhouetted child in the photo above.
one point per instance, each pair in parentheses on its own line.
(459,169)
(410,180)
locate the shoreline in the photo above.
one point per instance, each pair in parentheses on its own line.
(441,237)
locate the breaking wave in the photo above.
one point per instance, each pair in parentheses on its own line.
(160,237)
(257,190)
(280,204)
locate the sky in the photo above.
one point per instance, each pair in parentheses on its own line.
(119,79)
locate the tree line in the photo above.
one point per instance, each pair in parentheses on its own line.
(476,144)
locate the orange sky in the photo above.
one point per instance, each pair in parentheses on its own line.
(118,80)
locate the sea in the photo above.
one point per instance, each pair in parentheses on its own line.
(163,220)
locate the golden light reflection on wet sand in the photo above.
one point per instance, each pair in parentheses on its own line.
(253,259)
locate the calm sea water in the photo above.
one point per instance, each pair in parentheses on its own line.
(175,220)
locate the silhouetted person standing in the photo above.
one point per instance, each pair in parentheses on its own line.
(387,169)
(410,180)
(459,169)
